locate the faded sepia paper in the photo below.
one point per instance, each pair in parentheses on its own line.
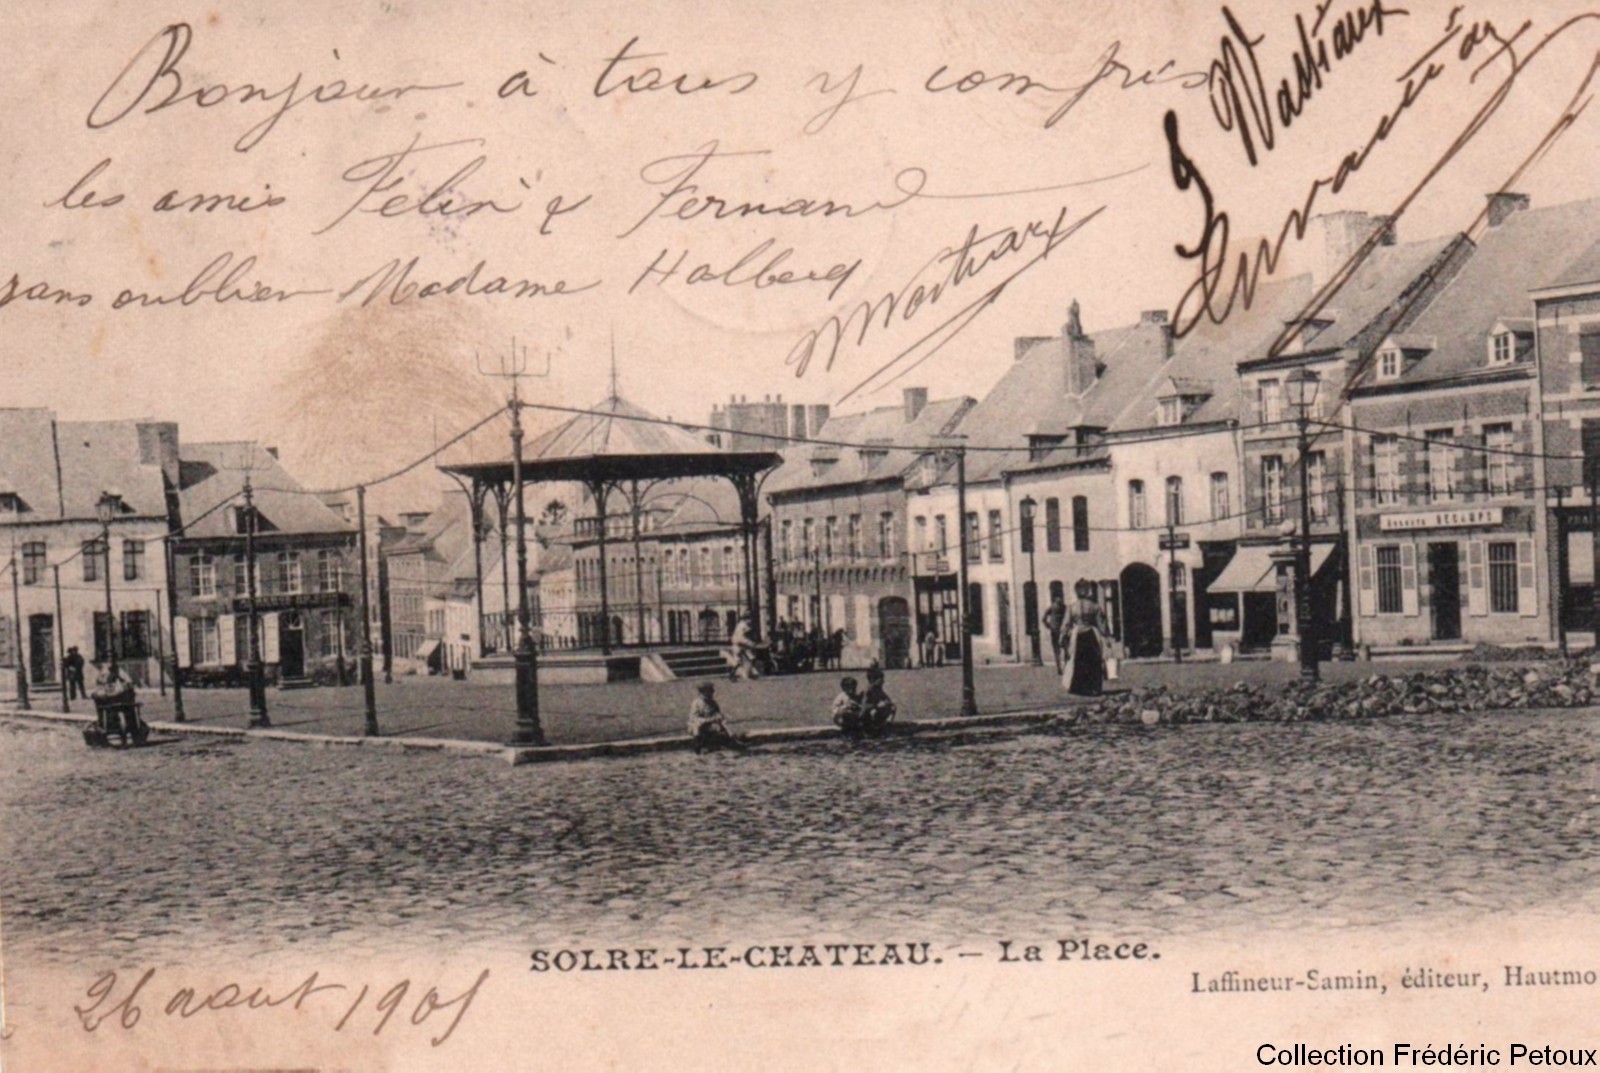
(311,224)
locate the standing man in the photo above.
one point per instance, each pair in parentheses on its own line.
(1055,617)
(72,672)
(745,649)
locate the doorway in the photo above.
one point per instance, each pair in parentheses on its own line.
(291,646)
(1141,610)
(42,649)
(894,627)
(1444,581)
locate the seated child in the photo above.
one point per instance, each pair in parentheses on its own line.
(847,707)
(877,710)
(706,725)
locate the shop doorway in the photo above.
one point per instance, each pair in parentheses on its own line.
(1444,589)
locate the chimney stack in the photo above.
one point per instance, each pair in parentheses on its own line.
(1083,368)
(915,399)
(1503,204)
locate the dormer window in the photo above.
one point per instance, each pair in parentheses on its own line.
(1389,364)
(1171,412)
(1502,348)
(11,503)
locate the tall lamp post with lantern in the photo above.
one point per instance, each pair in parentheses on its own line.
(1301,389)
(105,509)
(1031,607)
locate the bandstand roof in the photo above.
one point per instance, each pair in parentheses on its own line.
(613,441)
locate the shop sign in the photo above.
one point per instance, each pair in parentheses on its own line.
(1441,519)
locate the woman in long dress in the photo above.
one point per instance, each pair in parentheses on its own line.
(1083,644)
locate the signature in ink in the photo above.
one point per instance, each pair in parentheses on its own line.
(758,267)
(941,275)
(153,81)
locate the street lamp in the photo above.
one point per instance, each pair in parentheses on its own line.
(1301,389)
(105,509)
(526,658)
(256,672)
(16,604)
(1029,505)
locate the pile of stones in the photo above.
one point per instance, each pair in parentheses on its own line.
(1472,688)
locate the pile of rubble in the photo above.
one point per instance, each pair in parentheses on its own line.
(1472,688)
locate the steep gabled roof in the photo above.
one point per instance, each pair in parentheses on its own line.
(59,469)
(895,445)
(214,473)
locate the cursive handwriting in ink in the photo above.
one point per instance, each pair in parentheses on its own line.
(683,200)
(963,262)
(394,278)
(518,84)
(221,281)
(14,290)
(845,88)
(83,196)
(754,269)
(1240,99)
(173,201)
(1108,69)
(380,175)
(631,77)
(185,1002)
(153,69)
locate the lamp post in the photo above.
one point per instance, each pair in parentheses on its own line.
(368,696)
(1301,388)
(1035,658)
(16,605)
(529,732)
(1562,567)
(105,509)
(969,695)
(256,672)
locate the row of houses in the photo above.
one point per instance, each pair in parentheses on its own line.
(121,541)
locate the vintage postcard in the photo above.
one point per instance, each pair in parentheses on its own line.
(935,535)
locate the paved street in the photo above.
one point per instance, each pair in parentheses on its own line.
(1172,830)
(441,708)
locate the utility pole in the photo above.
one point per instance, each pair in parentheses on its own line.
(969,695)
(368,688)
(1562,568)
(529,732)
(61,639)
(170,554)
(1172,572)
(257,672)
(1303,391)
(16,604)
(1593,464)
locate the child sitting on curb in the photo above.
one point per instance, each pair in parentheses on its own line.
(706,724)
(847,708)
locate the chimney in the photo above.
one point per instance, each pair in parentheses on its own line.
(1153,316)
(1503,204)
(819,417)
(1157,319)
(1333,238)
(158,446)
(797,421)
(1082,367)
(915,399)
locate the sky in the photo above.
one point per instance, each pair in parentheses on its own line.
(349,390)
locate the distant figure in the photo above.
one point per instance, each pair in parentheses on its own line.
(1054,618)
(72,673)
(1084,642)
(836,649)
(847,708)
(114,689)
(706,724)
(877,710)
(745,649)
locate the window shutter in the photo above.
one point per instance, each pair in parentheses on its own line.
(227,640)
(1408,580)
(180,640)
(1527,583)
(269,638)
(1369,592)
(1477,589)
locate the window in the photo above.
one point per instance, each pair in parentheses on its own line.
(1171,412)
(853,535)
(941,536)
(1269,400)
(1029,507)
(1219,496)
(102,637)
(1386,468)
(1389,364)
(1272,488)
(1174,500)
(786,541)
(289,580)
(1052,524)
(808,537)
(132,560)
(920,525)
(830,536)
(996,544)
(1497,439)
(33,557)
(1390,601)
(974,538)
(1503,577)
(329,571)
(1135,504)
(1502,349)
(1589,352)
(1441,462)
(94,560)
(329,635)
(203,582)
(1317,483)
(241,575)
(203,643)
(1080,523)
(975,608)
(886,535)
(704,577)
(729,570)
(134,641)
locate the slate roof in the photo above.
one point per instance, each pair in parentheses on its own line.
(60,468)
(885,427)
(214,472)
(1510,261)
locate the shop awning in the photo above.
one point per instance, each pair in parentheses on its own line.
(1252,570)
(426,650)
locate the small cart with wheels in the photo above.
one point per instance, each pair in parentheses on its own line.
(119,717)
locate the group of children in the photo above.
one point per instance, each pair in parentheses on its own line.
(857,714)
